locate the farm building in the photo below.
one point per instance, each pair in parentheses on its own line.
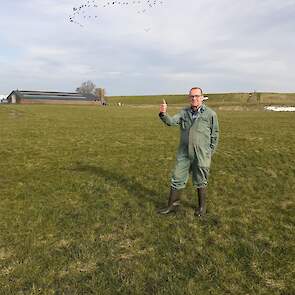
(51,97)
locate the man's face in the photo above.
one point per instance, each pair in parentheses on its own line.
(196,98)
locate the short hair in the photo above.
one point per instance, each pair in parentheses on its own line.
(197,88)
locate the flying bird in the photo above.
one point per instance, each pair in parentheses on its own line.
(89,9)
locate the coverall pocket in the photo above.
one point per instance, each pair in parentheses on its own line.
(204,125)
(183,123)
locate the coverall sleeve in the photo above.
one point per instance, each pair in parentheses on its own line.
(170,121)
(214,133)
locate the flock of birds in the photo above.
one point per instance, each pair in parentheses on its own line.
(90,8)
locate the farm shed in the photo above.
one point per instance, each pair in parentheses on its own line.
(50,97)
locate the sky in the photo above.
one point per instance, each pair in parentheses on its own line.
(219,45)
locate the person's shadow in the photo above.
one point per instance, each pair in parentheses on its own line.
(124,181)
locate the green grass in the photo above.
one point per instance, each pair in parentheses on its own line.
(214,99)
(80,186)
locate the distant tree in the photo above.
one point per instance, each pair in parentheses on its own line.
(87,88)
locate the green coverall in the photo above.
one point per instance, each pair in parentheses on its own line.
(198,142)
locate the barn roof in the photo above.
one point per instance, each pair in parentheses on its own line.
(52,95)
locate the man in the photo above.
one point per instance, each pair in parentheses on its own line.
(199,133)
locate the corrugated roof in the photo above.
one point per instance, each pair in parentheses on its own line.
(53,95)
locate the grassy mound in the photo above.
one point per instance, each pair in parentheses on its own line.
(214,99)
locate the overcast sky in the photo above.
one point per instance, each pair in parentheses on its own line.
(220,45)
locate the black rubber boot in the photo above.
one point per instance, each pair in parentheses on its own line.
(173,202)
(202,202)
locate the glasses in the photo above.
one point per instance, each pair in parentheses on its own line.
(195,96)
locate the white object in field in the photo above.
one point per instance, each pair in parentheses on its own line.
(280,108)
(2,97)
(205,97)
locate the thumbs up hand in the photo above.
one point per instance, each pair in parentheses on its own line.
(163,106)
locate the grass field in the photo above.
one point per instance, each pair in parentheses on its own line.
(80,186)
(215,99)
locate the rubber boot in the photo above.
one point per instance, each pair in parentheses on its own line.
(173,202)
(202,202)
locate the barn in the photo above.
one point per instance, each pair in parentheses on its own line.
(50,97)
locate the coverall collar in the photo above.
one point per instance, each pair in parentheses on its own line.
(200,110)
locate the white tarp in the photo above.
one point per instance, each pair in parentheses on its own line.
(280,109)
(2,97)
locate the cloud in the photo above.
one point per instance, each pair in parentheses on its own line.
(223,45)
